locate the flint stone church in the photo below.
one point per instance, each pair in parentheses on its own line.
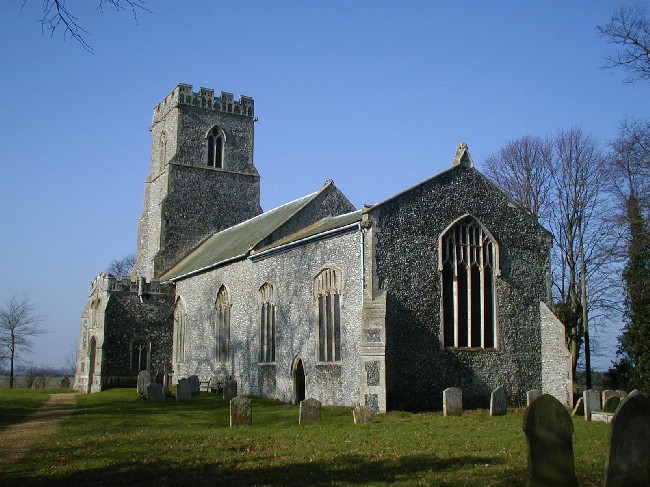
(444,284)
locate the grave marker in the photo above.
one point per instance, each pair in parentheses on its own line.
(498,402)
(591,403)
(532,395)
(194,385)
(155,392)
(549,431)
(183,390)
(144,379)
(452,401)
(628,458)
(309,411)
(579,410)
(241,411)
(362,414)
(229,389)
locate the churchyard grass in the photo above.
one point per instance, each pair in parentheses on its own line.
(114,438)
(18,404)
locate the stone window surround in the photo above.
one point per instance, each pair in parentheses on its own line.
(496,272)
(267,329)
(180,324)
(216,147)
(222,306)
(328,284)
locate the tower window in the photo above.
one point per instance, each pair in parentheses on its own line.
(469,264)
(267,323)
(326,290)
(215,148)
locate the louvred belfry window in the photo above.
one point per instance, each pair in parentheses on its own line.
(469,267)
(215,148)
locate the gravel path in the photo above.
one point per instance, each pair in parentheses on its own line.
(20,438)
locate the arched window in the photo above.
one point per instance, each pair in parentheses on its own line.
(222,325)
(469,265)
(179,332)
(140,354)
(326,291)
(215,148)
(267,323)
(162,156)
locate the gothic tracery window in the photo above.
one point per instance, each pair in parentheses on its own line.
(326,291)
(267,323)
(222,325)
(179,332)
(469,265)
(140,351)
(215,148)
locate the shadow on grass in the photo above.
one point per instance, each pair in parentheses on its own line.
(351,470)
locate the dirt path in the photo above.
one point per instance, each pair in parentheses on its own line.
(18,439)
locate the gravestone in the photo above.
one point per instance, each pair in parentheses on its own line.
(183,390)
(362,414)
(579,410)
(309,411)
(591,403)
(628,458)
(611,404)
(229,389)
(452,401)
(498,402)
(65,383)
(549,431)
(532,395)
(155,392)
(144,379)
(241,411)
(194,385)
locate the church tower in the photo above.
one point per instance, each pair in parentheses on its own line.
(202,178)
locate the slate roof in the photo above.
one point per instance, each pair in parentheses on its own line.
(236,242)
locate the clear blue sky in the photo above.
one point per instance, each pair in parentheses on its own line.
(374,95)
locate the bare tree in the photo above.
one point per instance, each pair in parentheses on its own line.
(57,17)
(522,169)
(121,267)
(18,325)
(629,29)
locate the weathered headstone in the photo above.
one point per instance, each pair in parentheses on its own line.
(611,404)
(452,401)
(144,379)
(549,431)
(183,390)
(498,402)
(229,389)
(532,395)
(155,392)
(309,411)
(194,385)
(607,393)
(362,414)
(591,403)
(241,411)
(579,410)
(628,458)
(65,382)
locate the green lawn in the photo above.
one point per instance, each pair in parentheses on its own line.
(17,404)
(117,439)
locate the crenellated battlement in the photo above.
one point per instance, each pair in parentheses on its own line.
(108,282)
(183,94)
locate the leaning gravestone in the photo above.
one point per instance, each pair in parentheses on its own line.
(579,410)
(532,395)
(498,402)
(628,458)
(309,411)
(144,379)
(549,429)
(591,403)
(241,411)
(65,383)
(229,389)
(183,390)
(362,414)
(194,384)
(611,404)
(607,393)
(155,392)
(452,401)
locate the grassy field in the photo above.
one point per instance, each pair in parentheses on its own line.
(115,438)
(17,404)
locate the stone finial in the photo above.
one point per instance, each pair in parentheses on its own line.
(462,157)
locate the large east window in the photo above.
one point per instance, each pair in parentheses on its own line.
(267,323)
(469,265)
(326,290)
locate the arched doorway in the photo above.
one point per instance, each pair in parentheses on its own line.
(298,380)
(91,363)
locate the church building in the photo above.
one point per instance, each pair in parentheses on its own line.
(446,284)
